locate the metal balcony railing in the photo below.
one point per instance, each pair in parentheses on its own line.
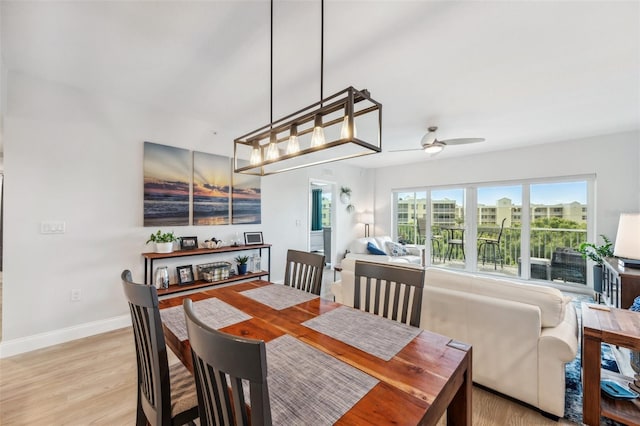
(557,245)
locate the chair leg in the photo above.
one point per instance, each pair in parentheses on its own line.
(141,419)
(495,260)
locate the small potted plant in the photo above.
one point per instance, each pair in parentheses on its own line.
(242,264)
(345,198)
(597,254)
(163,240)
(345,194)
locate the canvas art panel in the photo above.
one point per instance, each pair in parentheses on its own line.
(211,189)
(246,207)
(167,181)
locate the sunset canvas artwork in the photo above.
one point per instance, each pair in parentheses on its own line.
(167,178)
(211,189)
(245,199)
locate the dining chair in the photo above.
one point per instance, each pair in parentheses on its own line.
(221,362)
(392,288)
(304,271)
(493,244)
(166,395)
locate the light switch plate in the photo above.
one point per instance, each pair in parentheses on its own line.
(52,227)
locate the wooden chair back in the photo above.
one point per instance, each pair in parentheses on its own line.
(220,363)
(154,387)
(304,271)
(391,291)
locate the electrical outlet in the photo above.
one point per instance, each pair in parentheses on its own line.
(75,295)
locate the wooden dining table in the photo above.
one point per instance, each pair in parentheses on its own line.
(428,377)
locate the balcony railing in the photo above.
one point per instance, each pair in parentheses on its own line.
(558,246)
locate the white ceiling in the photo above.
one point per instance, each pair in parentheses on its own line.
(513,72)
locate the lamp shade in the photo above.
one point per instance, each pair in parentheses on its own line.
(365,217)
(628,238)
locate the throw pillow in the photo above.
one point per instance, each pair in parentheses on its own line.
(374,250)
(396,249)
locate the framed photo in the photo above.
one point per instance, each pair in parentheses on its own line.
(185,274)
(252,238)
(188,243)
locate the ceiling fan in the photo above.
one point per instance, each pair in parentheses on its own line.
(431,145)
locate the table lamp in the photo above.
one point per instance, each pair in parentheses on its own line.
(366,218)
(627,246)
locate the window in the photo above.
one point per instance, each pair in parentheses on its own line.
(448,227)
(498,227)
(530,229)
(410,217)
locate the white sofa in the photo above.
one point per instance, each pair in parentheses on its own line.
(522,334)
(358,250)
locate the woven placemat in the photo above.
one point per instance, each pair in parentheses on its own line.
(371,333)
(213,312)
(278,296)
(307,386)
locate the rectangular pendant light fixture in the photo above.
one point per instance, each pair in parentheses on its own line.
(345,125)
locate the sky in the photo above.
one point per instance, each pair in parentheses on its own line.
(547,193)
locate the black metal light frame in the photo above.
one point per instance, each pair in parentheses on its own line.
(354,103)
(304,120)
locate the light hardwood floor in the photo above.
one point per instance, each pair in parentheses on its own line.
(92,381)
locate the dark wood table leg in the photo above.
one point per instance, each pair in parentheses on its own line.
(591,381)
(460,410)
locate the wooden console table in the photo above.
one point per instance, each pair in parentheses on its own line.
(621,327)
(149,259)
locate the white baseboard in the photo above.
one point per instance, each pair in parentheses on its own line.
(26,344)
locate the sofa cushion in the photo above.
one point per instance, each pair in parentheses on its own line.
(371,248)
(550,300)
(359,245)
(452,280)
(381,243)
(395,249)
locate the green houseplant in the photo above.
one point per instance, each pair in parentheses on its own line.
(242,264)
(597,254)
(163,240)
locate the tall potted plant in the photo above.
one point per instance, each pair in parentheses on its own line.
(597,254)
(163,240)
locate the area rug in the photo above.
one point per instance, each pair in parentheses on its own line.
(573,382)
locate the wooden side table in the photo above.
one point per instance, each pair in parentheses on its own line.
(621,327)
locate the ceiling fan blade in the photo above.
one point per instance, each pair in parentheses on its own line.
(405,150)
(462,141)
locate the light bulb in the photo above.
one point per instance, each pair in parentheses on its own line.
(434,148)
(344,132)
(293,146)
(272,150)
(317,139)
(255,158)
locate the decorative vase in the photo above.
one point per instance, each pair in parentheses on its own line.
(597,278)
(242,269)
(162,278)
(164,247)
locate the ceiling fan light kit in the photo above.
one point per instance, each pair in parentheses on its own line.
(434,147)
(345,125)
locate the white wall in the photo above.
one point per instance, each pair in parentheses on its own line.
(75,157)
(612,158)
